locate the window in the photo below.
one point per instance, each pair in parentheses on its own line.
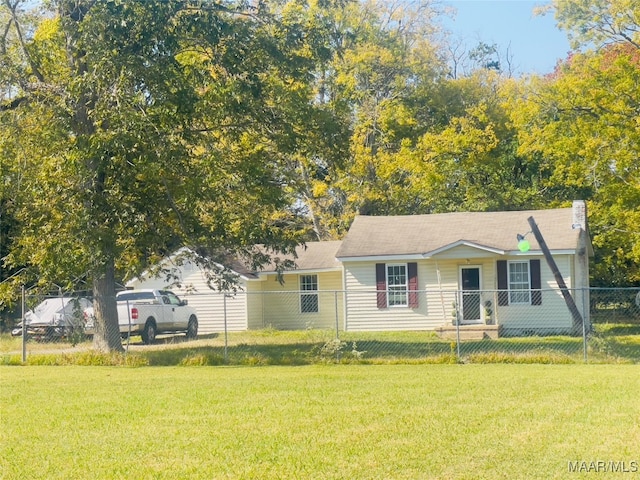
(309,293)
(135,296)
(397,285)
(519,283)
(170,298)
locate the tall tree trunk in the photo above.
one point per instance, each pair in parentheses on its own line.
(106,337)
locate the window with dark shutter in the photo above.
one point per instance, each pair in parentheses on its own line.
(519,282)
(412,272)
(381,285)
(503,283)
(397,285)
(536,282)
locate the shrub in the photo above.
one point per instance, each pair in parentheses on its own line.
(499,357)
(332,350)
(198,360)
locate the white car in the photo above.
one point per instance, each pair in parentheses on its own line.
(55,317)
(150,312)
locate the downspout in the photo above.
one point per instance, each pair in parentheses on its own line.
(444,312)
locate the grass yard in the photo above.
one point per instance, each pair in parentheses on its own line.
(611,343)
(319,421)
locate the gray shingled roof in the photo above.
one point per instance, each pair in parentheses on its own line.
(313,256)
(425,234)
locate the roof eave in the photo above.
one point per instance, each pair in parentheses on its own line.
(459,243)
(301,270)
(560,251)
(382,258)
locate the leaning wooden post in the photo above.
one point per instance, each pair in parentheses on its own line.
(578,323)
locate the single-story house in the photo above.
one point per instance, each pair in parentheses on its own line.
(429,271)
(308,297)
(414,272)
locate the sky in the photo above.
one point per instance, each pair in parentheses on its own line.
(534,41)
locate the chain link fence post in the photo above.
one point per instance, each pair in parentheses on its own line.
(335,303)
(585,332)
(226,335)
(24,326)
(129,330)
(457,319)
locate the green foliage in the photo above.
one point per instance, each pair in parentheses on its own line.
(199,360)
(133,128)
(332,349)
(582,123)
(421,142)
(599,22)
(128,129)
(521,358)
(87,358)
(611,343)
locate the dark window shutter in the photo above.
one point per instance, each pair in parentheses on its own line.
(503,283)
(381,285)
(536,283)
(412,273)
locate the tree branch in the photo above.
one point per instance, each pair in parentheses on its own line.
(190,5)
(13,104)
(35,87)
(3,41)
(14,16)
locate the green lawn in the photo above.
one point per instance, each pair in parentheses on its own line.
(611,343)
(321,421)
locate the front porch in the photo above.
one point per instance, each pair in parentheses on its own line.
(469,332)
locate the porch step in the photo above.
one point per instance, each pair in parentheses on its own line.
(468,332)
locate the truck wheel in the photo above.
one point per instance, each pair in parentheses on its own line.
(149,332)
(192,328)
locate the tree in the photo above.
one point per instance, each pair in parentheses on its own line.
(597,23)
(583,122)
(324,143)
(420,140)
(385,55)
(146,125)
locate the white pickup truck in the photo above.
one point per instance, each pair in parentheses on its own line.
(150,312)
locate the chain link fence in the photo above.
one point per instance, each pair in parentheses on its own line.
(297,327)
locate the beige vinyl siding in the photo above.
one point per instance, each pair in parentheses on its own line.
(438,293)
(281,302)
(255,304)
(209,304)
(450,283)
(361,306)
(211,308)
(550,317)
